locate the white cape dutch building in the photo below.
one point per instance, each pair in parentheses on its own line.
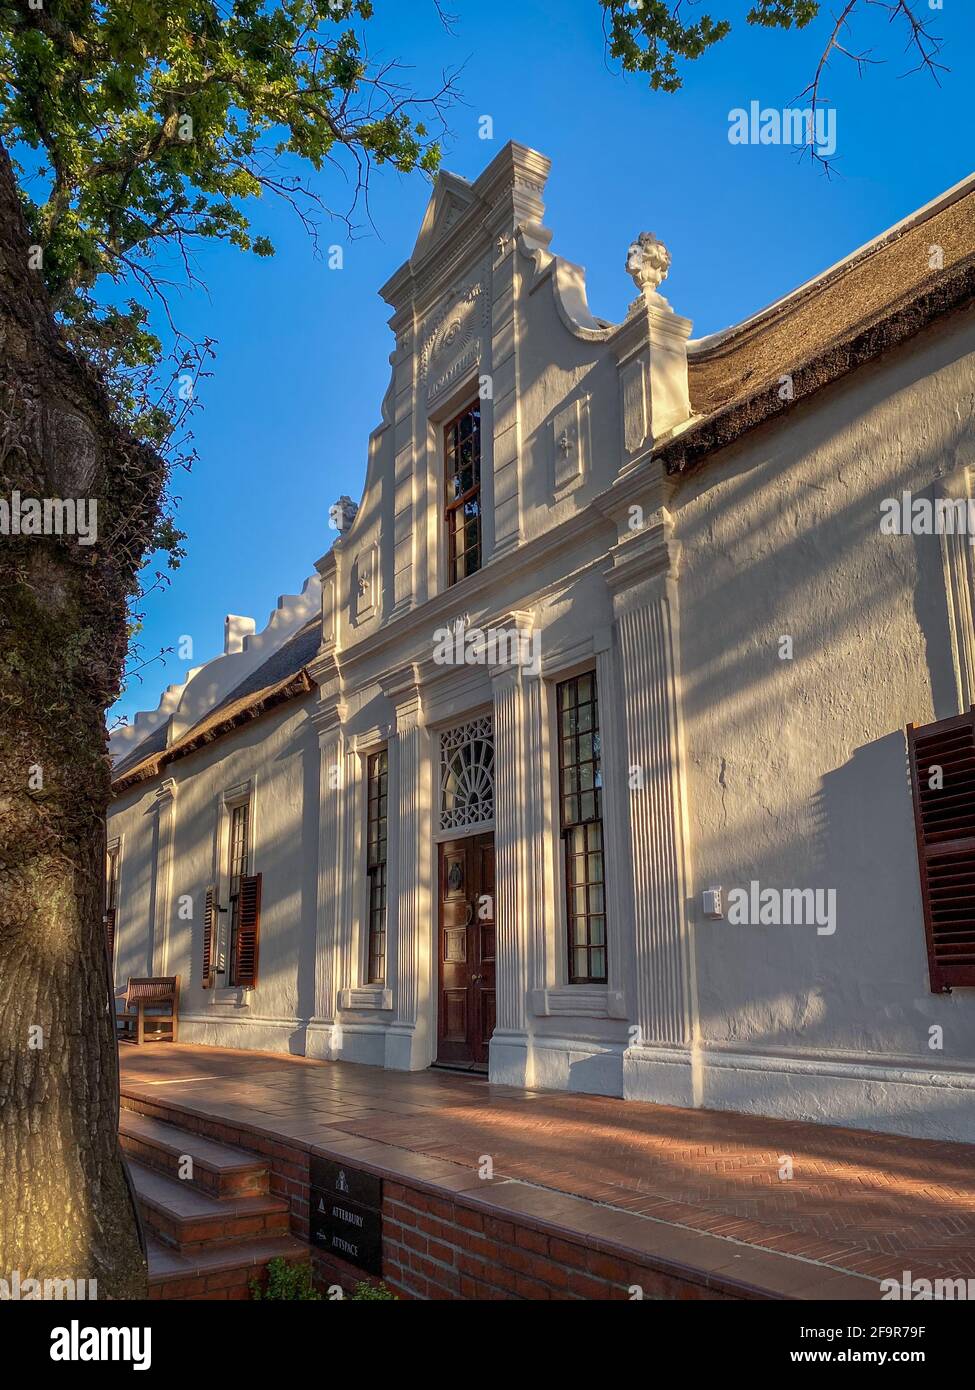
(621,743)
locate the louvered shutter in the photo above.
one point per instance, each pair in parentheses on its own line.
(943,780)
(209,920)
(109,921)
(248,931)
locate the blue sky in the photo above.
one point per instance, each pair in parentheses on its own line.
(302,350)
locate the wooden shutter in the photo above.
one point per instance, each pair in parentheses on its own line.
(248,931)
(109,921)
(944,816)
(209,922)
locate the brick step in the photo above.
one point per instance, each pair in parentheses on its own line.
(218,1170)
(180,1217)
(211,1272)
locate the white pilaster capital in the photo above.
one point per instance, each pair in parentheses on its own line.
(328,719)
(645,563)
(403,689)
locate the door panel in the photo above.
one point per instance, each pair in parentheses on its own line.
(466,930)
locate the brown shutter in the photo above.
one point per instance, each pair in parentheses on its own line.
(109,921)
(248,931)
(209,919)
(945,821)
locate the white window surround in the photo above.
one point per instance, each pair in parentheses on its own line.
(958,557)
(366,995)
(558,997)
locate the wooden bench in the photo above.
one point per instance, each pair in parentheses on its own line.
(150,1012)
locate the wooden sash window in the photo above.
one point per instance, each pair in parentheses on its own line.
(378,787)
(462,513)
(581,816)
(942,758)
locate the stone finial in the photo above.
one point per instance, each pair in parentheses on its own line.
(648,262)
(342,514)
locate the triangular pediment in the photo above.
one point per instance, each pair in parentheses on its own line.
(451,197)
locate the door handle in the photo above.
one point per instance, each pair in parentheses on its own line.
(474,979)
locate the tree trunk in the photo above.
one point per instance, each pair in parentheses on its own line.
(66,1207)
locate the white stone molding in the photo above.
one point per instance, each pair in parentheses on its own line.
(958,558)
(409,941)
(162,905)
(405,482)
(643,584)
(366,997)
(328,575)
(570,446)
(519,878)
(621,956)
(651,351)
(365,584)
(453,338)
(331,922)
(579,1001)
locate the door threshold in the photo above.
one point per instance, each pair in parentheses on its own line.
(468,1068)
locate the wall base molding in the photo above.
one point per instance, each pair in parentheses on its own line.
(901,1098)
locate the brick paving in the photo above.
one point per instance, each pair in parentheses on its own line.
(868,1204)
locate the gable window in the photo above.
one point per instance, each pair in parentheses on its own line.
(111,897)
(377,779)
(580,811)
(942,759)
(462,505)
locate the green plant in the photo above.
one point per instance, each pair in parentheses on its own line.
(365,1293)
(286,1282)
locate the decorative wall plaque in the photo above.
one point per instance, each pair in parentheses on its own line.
(345,1215)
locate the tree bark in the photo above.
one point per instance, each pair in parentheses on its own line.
(66,1206)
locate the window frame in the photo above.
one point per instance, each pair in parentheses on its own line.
(590,825)
(377,866)
(453,504)
(242,804)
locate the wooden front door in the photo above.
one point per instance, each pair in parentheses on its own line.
(466,950)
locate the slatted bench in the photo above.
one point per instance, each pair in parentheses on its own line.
(150,1012)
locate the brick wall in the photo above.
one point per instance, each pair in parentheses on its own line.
(436,1246)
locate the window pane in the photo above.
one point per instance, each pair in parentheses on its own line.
(580,778)
(377,780)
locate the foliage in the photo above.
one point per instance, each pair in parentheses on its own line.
(142,129)
(366,1293)
(653,36)
(286,1282)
